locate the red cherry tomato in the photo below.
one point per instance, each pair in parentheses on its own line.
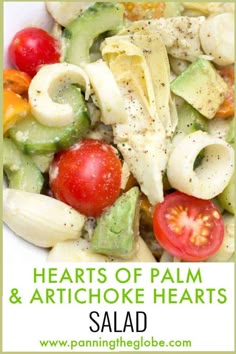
(87,176)
(32,47)
(187,227)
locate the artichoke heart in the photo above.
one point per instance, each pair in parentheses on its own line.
(140,65)
(180,34)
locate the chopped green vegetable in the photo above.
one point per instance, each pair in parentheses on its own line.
(201,86)
(81,33)
(190,120)
(116,231)
(34,138)
(20,169)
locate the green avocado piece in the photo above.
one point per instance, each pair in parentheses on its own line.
(190,120)
(81,33)
(34,138)
(227,197)
(115,233)
(201,86)
(21,171)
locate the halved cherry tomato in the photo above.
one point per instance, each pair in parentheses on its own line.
(16,81)
(135,11)
(31,48)
(226,109)
(14,108)
(87,176)
(187,227)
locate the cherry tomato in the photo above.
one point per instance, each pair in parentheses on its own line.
(187,227)
(32,47)
(87,176)
(226,109)
(135,11)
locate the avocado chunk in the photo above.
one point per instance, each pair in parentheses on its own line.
(34,138)
(190,120)
(201,86)
(117,228)
(21,171)
(81,33)
(227,197)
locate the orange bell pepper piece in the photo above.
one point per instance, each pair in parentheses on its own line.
(14,109)
(135,11)
(226,109)
(16,81)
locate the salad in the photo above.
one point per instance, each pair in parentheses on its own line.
(119,132)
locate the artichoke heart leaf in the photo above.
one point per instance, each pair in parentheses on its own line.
(140,65)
